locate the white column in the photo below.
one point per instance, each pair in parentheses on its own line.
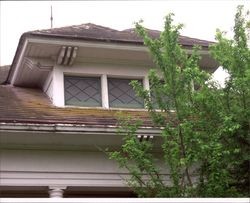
(104,87)
(56,191)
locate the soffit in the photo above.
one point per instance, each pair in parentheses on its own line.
(46,53)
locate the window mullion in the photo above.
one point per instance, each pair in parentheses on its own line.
(146,85)
(104,87)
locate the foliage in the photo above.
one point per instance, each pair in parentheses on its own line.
(234,56)
(205,133)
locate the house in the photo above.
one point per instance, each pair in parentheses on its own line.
(59,105)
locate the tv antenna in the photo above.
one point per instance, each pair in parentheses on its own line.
(51,17)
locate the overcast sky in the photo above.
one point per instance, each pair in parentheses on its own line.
(201,18)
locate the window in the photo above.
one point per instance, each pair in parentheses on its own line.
(159,96)
(82,91)
(122,95)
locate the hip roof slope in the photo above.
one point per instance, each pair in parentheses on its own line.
(26,105)
(96,32)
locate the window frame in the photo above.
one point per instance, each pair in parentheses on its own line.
(86,77)
(130,79)
(104,89)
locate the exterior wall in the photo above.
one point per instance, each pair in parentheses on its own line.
(48,86)
(96,69)
(58,168)
(38,161)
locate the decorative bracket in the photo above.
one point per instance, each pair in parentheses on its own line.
(144,137)
(56,191)
(67,55)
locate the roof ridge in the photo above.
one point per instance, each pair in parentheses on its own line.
(101,26)
(145,28)
(83,25)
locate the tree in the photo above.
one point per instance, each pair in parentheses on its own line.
(203,131)
(234,56)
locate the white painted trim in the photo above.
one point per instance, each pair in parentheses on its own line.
(107,45)
(104,88)
(48,81)
(58,87)
(19,62)
(80,43)
(56,191)
(146,85)
(102,108)
(93,60)
(102,71)
(68,128)
(62,179)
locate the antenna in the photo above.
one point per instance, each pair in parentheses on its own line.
(51,17)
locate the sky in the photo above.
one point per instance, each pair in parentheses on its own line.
(201,18)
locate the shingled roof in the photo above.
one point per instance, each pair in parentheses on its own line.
(91,31)
(26,105)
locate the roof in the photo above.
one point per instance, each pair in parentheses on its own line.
(91,31)
(26,105)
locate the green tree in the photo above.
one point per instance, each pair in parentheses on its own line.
(203,131)
(234,56)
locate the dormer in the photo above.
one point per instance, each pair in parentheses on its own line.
(89,65)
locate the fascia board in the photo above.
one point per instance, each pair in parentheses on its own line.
(19,62)
(116,46)
(111,45)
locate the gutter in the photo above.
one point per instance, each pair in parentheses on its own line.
(71,128)
(122,41)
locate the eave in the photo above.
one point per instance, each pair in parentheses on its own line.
(68,137)
(108,44)
(72,128)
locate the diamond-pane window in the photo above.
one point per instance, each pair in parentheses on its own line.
(82,91)
(122,95)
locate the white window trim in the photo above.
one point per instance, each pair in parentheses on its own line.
(58,88)
(104,89)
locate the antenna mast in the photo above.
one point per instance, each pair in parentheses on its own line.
(51,17)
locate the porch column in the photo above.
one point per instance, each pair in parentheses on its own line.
(56,191)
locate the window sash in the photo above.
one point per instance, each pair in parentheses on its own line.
(82,91)
(122,95)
